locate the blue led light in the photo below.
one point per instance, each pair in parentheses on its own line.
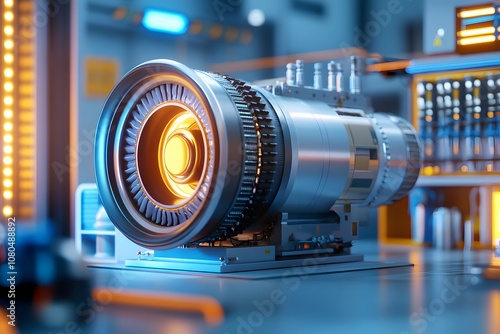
(476,20)
(453,65)
(162,21)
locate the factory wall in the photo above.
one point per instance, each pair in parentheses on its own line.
(301,28)
(122,44)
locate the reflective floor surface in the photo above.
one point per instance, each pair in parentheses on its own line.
(444,292)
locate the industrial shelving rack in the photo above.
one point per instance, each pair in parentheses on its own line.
(458,177)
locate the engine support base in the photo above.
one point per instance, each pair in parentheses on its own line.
(234,259)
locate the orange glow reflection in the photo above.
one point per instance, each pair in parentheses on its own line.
(494,311)
(209,307)
(417,283)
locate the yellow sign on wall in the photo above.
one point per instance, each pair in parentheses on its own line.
(101,76)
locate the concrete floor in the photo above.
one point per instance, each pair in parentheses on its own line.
(442,293)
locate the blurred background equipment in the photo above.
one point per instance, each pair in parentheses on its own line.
(24,114)
(455,105)
(96,238)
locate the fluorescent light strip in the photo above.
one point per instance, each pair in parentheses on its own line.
(163,21)
(476,32)
(477,40)
(477,12)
